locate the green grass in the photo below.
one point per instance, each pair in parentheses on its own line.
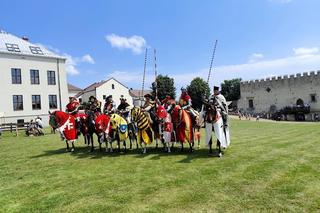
(269,167)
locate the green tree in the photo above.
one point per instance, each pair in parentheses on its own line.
(231,89)
(165,86)
(198,89)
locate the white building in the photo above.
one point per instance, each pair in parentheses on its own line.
(103,89)
(138,96)
(32,80)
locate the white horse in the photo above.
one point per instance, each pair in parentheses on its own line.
(215,125)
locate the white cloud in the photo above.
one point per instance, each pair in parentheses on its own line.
(255,57)
(247,71)
(71,65)
(306,51)
(87,59)
(135,43)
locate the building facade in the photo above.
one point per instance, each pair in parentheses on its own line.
(32,80)
(273,94)
(105,88)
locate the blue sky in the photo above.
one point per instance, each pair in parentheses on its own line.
(102,39)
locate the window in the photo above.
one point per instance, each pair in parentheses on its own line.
(112,86)
(80,100)
(51,77)
(34,75)
(313,98)
(250,103)
(16,76)
(36,50)
(36,102)
(17,102)
(52,101)
(104,97)
(20,122)
(13,47)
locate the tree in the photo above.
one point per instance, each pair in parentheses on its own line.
(165,86)
(231,89)
(198,90)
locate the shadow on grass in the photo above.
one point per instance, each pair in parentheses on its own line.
(152,152)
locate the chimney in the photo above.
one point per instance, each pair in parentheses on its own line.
(25,38)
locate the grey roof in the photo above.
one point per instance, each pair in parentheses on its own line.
(23,47)
(138,93)
(73,88)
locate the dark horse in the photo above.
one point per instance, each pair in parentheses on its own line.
(88,125)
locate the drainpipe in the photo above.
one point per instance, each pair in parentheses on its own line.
(59,86)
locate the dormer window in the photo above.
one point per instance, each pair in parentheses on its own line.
(13,47)
(36,50)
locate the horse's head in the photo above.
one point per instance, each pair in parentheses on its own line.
(176,114)
(101,123)
(161,112)
(135,111)
(53,120)
(115,120)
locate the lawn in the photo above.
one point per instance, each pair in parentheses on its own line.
(269,167)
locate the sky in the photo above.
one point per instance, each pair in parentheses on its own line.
(104,38)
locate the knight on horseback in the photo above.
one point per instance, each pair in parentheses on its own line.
(186,103)
(94,105)
(216,118)
(72,108)
(123,108)
(109,106)
(148,106)
(168,103)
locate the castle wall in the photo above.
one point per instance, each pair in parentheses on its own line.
(280,92)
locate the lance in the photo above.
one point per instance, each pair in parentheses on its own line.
(210,68)
(144,75)
(155,75)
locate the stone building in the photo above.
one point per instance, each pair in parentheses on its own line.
(278,94)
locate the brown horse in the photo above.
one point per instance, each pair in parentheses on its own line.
(183,127)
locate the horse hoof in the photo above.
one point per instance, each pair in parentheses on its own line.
(220,155)
(72,150)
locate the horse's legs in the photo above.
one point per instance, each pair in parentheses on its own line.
(143,148)
(91,141)
(67,146)
(181,150)
(124,146)
(72,150)
(118,145)
(111,148)
(107,145)
(168,147)
(219,148)
(130,139)
(191,146)
(156,142)
(210,146)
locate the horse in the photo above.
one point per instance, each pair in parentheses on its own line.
(88,125)
(65,124)
(213,120)
(83,127)
(132,129)
(120,131)
(102,129)
(183,126)
(144,128)
(165,126)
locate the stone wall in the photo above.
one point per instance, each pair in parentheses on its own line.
(274,93)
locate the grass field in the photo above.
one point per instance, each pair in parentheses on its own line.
(269,167)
